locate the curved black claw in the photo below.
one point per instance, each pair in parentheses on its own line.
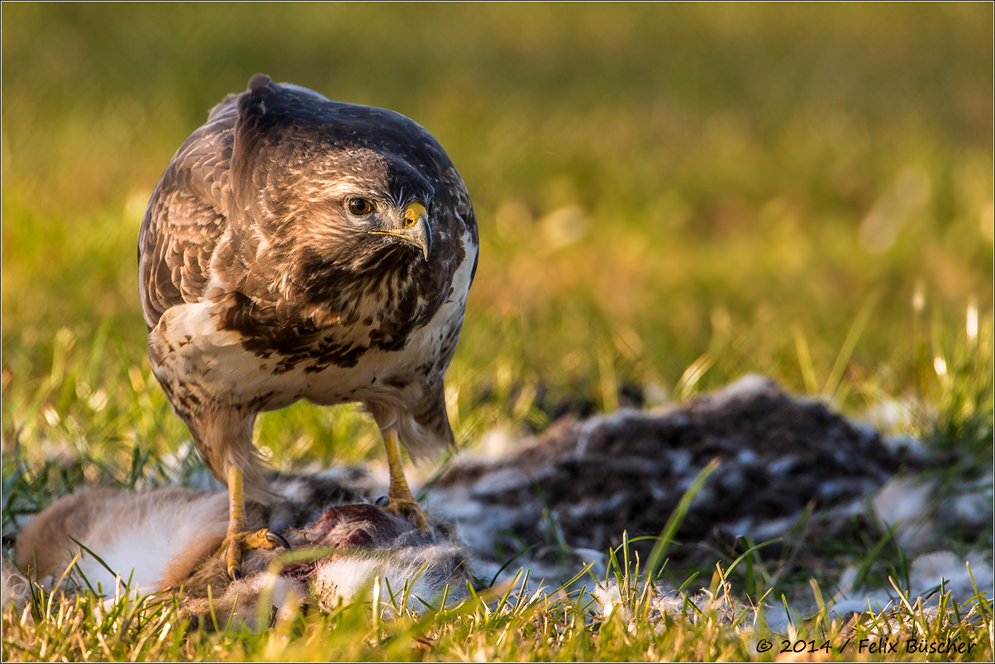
(278,539)
(382,501)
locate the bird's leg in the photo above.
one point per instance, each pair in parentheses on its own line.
(238,538)
(223,437)
(401,501)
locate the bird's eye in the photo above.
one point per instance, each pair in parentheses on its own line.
(360,206)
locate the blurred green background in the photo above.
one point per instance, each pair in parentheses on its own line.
(669,196)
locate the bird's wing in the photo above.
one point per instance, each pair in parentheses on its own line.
(186,217)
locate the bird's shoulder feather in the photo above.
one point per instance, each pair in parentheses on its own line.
(186,217)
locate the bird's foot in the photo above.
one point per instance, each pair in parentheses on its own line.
(406,508)
(236,544)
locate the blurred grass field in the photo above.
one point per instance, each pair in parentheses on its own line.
(669,196)
(725,189)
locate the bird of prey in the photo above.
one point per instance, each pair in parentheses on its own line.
(302,248)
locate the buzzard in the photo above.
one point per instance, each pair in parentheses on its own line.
(301,248)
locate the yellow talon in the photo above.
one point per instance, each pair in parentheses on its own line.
(402,501)
(238,538)
(410,510)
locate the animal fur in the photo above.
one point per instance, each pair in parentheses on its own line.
(163,541)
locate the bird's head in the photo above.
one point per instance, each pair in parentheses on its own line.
(330,196)
(358,210)
(381,209)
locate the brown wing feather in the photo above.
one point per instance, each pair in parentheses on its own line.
(186,217)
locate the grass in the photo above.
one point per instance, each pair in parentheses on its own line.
(668,197)
(619,622)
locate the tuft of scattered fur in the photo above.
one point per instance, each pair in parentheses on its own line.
(15,588)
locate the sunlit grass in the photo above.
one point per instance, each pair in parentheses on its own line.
(619,617)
